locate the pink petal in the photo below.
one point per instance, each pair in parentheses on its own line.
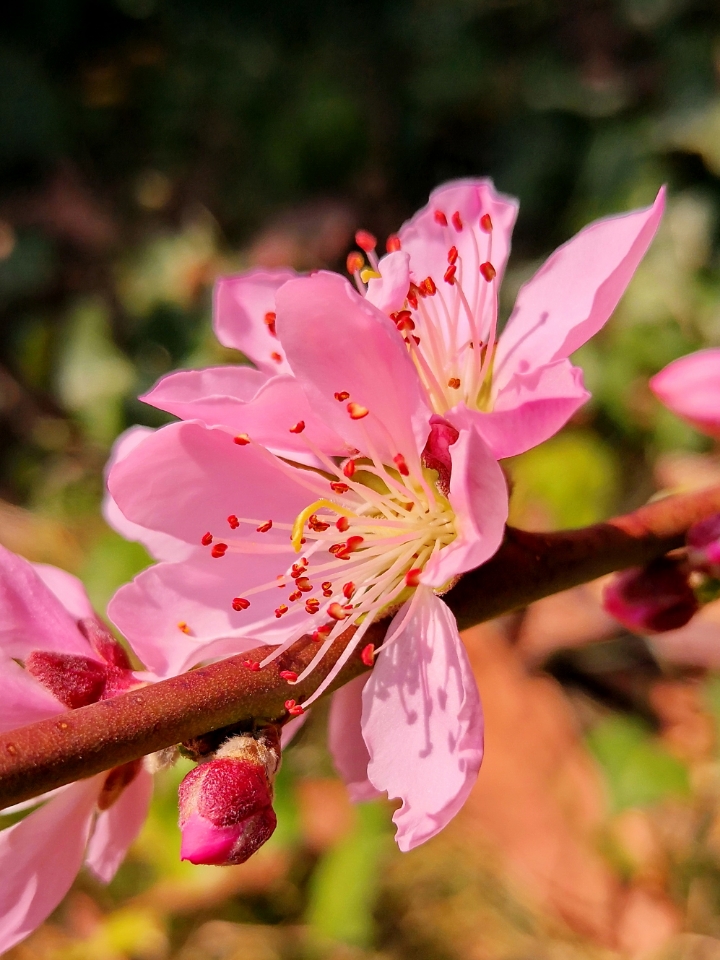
(388,292)
(186,479)
(40,857)
(479,497)
(158,545)
(116,828)
(292,728)
(575,291)
(422,721)
(428,242)
(67,588)
(246,401)
(31,616)
(22,699)
(690,387)
(178,614)
(531,408)
(241,303)
(338,342)
(345,740)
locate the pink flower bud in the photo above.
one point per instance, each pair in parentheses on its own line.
(703,541)
(226,811)
(651,599)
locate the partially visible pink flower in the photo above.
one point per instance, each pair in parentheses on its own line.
(652,599)
(389,505)
(690,387)
(70,659)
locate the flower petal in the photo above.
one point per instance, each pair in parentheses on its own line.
(247,401)
(575,291)
(68,589)
(186,479)
(479,497)
(22,699)
(116,828)
(40,857)
(31,616)
(337,342)
(531,408)
(160,546)
(428,241)
(422,721)
(345,740)
(388,291)
(177,614)
(690,387)
(241,303)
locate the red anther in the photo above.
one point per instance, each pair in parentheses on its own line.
(439,217)
(357,411)
(251,664)
(242,439)
(277,357)
(343,524)
(412,577)
(428,285)
(297,570)
(326,585)
(452,255)
(312,605)
(349,468)
(207,539)
(327,593)
(233,521)
(405,322)
(392,244)
(488,271)
(322,633)
(348,590)
(279,611)
(270,319)
(298,427)
(337,548)
(264,527)
(295,595)
(337,612)
(365,240)
(412,297)
(341,395)
(183,627)
(416,339)
(288,675)
(454,383)
(400,315)
(486,223)
(368,655)
(304,585)
(294,709)
(399,461)
(316,524)
(354,262)
(353,543)
(338,487)
(456,221)
(449,275)
(218,550)
(240,603)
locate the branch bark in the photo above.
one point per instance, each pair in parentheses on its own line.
(528,566)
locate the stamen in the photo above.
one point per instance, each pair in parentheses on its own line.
(207,539)
(454,383)
(218,550)
(288,675)
(270,318)
(298,427)
(339,487)
(338,612)
(251,665)
(233,521)
(488,271)
(349,468)
(439,217)
(357,411)
(392,244)
(368,655)
(294,709)
(412,577)
(264,527)
(240,603)
(399,461)
(242,439)
(341,395)
(486,223)
(183,627)
(277,357)
(456,221)
(365,240)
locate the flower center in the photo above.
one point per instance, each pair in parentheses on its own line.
(449,324)
(361,547)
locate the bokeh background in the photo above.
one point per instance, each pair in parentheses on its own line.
(147,146)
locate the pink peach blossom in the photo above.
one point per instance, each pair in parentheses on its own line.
(379,508)
(69,657)
(690,387)
(440,285)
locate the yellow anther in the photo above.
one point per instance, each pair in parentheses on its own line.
(302,518)
(369,274)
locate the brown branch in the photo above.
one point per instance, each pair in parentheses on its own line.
(528,566)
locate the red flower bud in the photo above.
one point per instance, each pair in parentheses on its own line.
(226,811)
(651,599)
(703,541)
(75,680)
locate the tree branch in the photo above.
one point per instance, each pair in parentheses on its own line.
(528,566)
